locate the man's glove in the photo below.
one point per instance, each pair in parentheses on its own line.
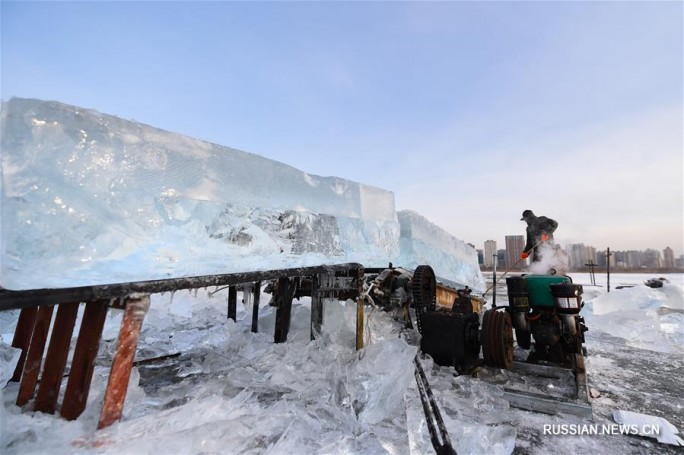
(544,237)
(523,255)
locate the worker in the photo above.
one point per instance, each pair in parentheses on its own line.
(539,231)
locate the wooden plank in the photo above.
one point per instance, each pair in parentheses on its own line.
(56,358)
(255,307)
(83,363)
(22,338)
(232,303)
(34,357)
(122,363)
(359,322)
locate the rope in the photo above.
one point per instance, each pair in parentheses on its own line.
(509,269)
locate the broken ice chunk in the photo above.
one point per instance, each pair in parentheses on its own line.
(650,426)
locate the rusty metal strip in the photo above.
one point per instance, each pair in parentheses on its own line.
(122,363)
(22,338)
(56,358)
(34,358)
(83,363)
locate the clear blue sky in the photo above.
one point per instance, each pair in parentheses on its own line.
(470,112)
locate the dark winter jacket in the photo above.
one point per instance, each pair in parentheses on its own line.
(536,226)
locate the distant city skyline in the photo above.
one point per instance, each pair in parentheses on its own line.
(581,255)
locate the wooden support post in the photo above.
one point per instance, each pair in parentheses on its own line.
(359,322)
(284,294)
(122,363)
(255,307)
(232,303)
(83,363)
(359,311)
(22,338)
(56,358)
(34,357)
(316,306)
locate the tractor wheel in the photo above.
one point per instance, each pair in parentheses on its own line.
(497,339)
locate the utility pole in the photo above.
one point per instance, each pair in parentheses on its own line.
(592,265)
(608,255)
(494,282)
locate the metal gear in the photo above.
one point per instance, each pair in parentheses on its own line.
(424,291)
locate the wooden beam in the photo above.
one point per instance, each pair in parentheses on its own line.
(284,294)
(56,358)
(37,297)
(22,338)
(34,358)
(232,303)
(255,307)
(359,310)
(359,322)
(83,363)
(316,307)
(122,363)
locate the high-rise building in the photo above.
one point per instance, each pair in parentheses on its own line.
(514,247)
(580,255)
(576,254)
(652,259)
(668,258)
(591,255)
(489,253)
(679,262)
(501,256)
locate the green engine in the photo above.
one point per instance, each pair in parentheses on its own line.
(547,308)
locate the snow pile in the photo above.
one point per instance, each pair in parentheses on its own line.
(89,198)
(648,318)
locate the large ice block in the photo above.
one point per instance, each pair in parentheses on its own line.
(89,198)
(423,242)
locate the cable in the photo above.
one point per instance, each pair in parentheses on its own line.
(432,413)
